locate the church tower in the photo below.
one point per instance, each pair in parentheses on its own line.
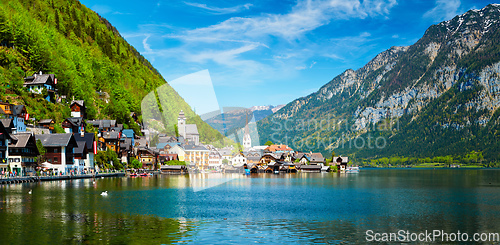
(181,124)
(247,140)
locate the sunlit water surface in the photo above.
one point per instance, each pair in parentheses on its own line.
(264,208)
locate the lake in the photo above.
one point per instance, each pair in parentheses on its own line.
(264,208)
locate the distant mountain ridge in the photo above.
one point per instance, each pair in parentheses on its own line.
(442,95)
(236,118)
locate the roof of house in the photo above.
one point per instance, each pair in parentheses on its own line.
(80,149)
(126,144)
(128,133)
(78,102)
(162,145)
(4,131)
(111,135)
(253,158)
(39,79)
(45,121)
(238,154)
(344,159)
(75,121)
(103,123)
(146,150)
(56,140)
(191,129)
(166,139)
(88,138)
(141,141)
(195,148)
(274,148)
(7,123)
(20,140)
(225,152)
(18,110)
(317,157)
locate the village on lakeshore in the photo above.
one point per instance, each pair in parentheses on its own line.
(30,147)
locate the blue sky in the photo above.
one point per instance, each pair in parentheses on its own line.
(270,52)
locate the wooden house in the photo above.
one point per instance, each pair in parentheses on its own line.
(23,153)
(341,163)
(47,123)
(317,159)
(17,113)
(147,157)
(110,140)
(59,150)
(4,148)
(268,158)
(80,153)
(253,157)
(78,109)
(91,148)
(38,82)
(239,160)
(74,125)
(8,124)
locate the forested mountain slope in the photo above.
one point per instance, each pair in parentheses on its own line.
(437,97)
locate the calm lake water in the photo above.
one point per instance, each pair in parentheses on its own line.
(237,209)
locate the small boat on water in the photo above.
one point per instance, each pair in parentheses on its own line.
(133,175)
(352,169)
(144,175)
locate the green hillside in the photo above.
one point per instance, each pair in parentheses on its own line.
(86,53)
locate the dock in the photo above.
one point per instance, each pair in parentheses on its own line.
(28,179)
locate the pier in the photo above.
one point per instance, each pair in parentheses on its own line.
(28,179)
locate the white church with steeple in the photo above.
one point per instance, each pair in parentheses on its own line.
(247,140)
(188,131)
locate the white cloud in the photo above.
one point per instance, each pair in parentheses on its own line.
(145,44)
(230,44)
(216,10)
(444,10)
(304,17)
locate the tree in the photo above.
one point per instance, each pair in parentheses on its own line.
(225,161)
(41,150)
(268,143)
(135,164)
(108,160)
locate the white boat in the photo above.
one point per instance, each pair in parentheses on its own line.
(352,169)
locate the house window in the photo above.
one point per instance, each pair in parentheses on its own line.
(55,159)
(55,150)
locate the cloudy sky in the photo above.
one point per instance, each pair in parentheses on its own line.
(270,52)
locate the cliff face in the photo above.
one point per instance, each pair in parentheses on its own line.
(445,85)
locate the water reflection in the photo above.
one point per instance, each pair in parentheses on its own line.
(298,208)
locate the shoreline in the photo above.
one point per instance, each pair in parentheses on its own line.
(27,179)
